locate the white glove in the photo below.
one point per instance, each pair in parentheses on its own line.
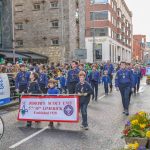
(117,89)
(85,94)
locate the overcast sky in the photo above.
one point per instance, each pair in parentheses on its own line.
(141,16)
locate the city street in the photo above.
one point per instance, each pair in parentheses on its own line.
(106,122)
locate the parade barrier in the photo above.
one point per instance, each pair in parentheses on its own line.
(13,94)
(49,108)
(4,89)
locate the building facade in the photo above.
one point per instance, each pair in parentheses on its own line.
(54,28)
(6,32)
(139,47)
(147,53)
(108,31)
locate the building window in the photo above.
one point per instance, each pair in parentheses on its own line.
(19,26)
(99,32)
(55,24)
(55,42)
(98,1)
(0,24)
(19,43)
(19,8)
(36,7)
(98,51)
(103,15)
(54,4)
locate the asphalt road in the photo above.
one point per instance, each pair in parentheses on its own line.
(106,122)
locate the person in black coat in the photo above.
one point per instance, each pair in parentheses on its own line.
(84,90)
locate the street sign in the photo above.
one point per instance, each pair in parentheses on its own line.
(80,53)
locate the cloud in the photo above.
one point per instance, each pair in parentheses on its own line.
(140,10)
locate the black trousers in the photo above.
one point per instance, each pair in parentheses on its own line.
(22,88)
(111,86)
(94,85)
(72,87)
(106,88)
(125,94)
(43,88)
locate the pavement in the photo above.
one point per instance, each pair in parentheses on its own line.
(105,118)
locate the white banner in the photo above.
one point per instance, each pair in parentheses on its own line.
(148,71)
(4,89)
(49,108)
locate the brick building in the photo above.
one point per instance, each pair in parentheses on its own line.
(139,42)
(6,32)
(54,28)
(147,53)
(108,30)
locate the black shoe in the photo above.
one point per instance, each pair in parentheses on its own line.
(51,125)
(127,113)
(29,124)
(96,99)
(123,112)
(58,124)
(81,126)
(86,128)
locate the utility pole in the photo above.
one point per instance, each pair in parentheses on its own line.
(93,19)
(13,32)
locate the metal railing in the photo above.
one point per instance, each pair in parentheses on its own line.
(13,93)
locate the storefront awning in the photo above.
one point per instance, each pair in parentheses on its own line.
(10,55)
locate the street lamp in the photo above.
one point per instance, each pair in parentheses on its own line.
(93,17)
(13,28)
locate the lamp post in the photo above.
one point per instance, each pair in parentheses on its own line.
(13,32)
(93,23)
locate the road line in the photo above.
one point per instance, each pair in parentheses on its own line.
(141,90)
(28,138)
(101,97)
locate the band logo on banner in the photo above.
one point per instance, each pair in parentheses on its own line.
(49,108)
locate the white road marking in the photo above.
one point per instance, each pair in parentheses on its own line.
(141,89)
(28,138)
(101,97)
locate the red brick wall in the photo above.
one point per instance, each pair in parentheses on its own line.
(104,23)
(138,49)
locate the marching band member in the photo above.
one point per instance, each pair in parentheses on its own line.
(22,80)
(106,81)
(109,67)
(72,78)
(124,81)
(43,80)
(52,91)
(94,78)
(33,89)
(62,83)
(84,90)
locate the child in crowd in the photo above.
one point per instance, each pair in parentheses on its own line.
(62,83)
(33,89)
(84,90)
(106,81)
(52,91)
